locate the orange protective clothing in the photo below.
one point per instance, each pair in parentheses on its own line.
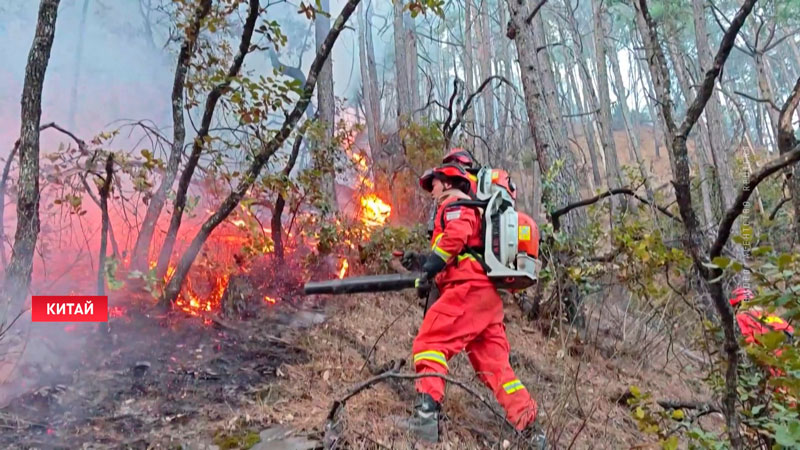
(468,316)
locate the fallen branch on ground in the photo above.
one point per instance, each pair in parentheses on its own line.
(392,373)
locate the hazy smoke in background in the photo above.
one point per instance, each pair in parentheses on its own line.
(125,71)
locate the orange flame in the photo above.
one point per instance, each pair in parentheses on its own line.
(375,211)
(343,270)
(192,303)
(270,300)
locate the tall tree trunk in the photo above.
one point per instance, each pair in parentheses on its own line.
(327,111)
(73,95)
(373,76)
(679,162)
(588,130)
(469,123)
(613,174)
(707,171)
(401,69)
(485,57)
(548,136)
(141,250)
(712,112)
(633,139)
(786,142)
(412,65)
(765,90)
(589,99)
(18,272)
(368,85)
(504,57)
(104,192)
(200,141)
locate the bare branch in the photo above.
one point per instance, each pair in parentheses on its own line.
(707,87)
(738,206)
(555,215)
(536,9)
(759,100)
(778,208)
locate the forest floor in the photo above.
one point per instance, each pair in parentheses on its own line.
(177,382)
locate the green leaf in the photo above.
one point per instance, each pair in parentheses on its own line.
(635,391)
(678,414)
(784,260)
(638,413)
(771,340)
(670,444)
(788,435)
(721,262)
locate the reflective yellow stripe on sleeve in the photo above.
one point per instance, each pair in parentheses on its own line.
(431,355)
(513,386)
(438,250)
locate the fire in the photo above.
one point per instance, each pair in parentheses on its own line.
(270,300)
(375,211)
(191,302)
(343,270)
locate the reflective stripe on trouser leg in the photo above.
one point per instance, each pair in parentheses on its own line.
(431,355)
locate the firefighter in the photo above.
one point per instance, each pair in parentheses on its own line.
(413,260)
(753,322)
(468,315)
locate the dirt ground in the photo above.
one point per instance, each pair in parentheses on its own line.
(177,382)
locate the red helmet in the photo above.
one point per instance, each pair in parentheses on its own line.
(459,156)
(451,171)
(740,294)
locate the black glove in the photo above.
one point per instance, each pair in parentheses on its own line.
(423,286)
(433,264)
(412,261)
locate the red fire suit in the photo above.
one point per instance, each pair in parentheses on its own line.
(754,323)
(468,316)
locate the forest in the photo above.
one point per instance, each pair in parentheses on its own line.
(195,167)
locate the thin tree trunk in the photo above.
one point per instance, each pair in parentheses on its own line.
(633,140)
(707,171)
(589,100)
(373,76)
(486,57)
(261,158)
(200,140)
(613,174)
(786,142)
(368,89)
(765,90)
(412,63)
(588,131)
(679,162)
(141,250)
(3,185)
(280,203)
(469,78)
(712,112)
(105,191)
(549,148)
(327,113)
(401,69)
(18,272)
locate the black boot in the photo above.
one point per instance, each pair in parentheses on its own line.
(425,421)
(534,437)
